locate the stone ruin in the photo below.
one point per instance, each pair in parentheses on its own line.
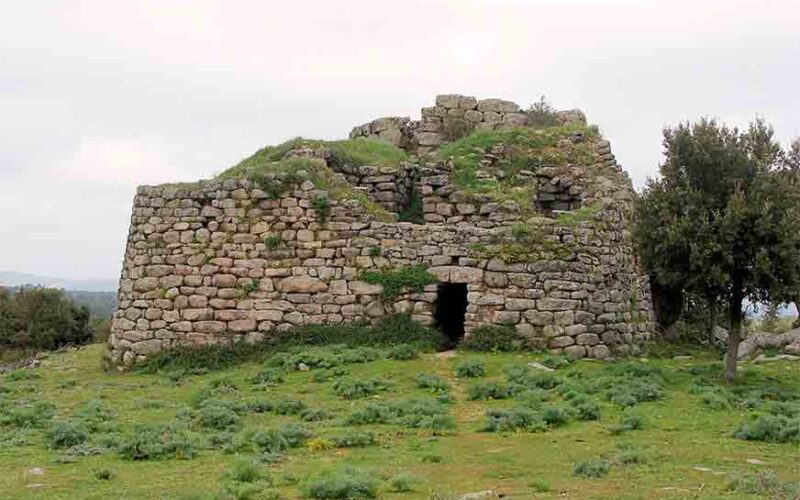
(237,259)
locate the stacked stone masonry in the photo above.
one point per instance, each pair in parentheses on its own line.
(219,261)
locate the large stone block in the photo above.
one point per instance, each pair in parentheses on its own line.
(302,284)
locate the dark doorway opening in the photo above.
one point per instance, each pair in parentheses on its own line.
(451,306)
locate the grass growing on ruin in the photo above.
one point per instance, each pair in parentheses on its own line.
(353,152)
(527,149)
(335,422)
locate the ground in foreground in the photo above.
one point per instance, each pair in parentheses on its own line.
(322,422)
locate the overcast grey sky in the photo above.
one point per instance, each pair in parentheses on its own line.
(97,97)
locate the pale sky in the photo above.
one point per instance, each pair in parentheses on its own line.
(97,97)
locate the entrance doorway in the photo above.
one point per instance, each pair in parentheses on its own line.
(451,306)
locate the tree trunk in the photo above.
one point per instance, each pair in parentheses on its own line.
(797,306)
(735,334)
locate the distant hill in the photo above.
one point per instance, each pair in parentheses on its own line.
(14,278)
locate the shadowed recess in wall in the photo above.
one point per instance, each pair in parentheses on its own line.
(451,306)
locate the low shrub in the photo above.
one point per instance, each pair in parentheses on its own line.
(315,415)
(353,439)
(403,352)
(345,484)
(488,390)
(269,376)
(27,415)
(517,418)
(766,484)
(471,368)
(555,416)
(103,474)
(556,361)
(96,416)
(402,483)
(587,410)
(716,399)
(630,392)
(228,442)
(491,338)
(592,468)
(289,407)
(66,434)
(279,439)
(770,428)
(629,421)
(630,455)
(354,388)
(18,375)
(419,414)
(329,374)
(218,415)
(244,471)
(540,485)
(156,441)
(434,383)
(319,444)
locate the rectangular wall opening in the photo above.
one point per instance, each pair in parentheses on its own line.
(451,306)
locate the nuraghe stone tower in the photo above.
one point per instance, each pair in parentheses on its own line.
(522,217)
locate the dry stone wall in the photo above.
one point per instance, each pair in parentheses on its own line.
(220,261)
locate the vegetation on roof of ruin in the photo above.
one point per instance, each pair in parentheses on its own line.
(525,149)
(353,152)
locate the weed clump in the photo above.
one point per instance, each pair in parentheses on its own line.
(402,483)
(354,388)
(156,441)
(218,415)
(487,391)
(764,484)
(280,439)
(770,428)
(434,383)
(344,484)
(269,376)
(491,338)
(471,368)
(353,439)
(244,471)
(397,281)
(517,418)
(66,434)
(403,352)
(417,414)
(592,468)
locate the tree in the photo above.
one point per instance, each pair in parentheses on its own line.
(40,318)
(721,221)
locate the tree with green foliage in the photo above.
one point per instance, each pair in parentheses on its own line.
(721,221)
(41,318)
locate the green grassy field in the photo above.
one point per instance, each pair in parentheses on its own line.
(240,433)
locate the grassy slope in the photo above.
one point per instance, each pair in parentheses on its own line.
(681,433)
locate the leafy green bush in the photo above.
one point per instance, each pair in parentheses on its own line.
(434,383)
(156,441)
(540,485)
(354,388)
(592,468)
(322,207)
(491,338)
(629,421)
(96,416)
(487,390)
(353,439)
(717,399)
(403,352)
(629,455)
(630,392)
(66,434)
(470,368)
(345,484)
(397,281)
